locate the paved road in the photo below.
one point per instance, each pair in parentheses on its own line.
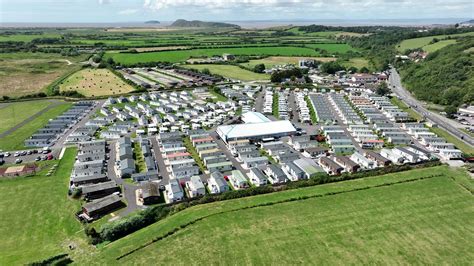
(29,119)
(443,122)
(160,161)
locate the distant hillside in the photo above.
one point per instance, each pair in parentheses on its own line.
(182,23)
(152,22)
(468,22)
(445,76)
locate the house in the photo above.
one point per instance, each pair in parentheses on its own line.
(99,190)
(257,177)
(349,165)
(275,174)
(377,158)
(315,152)
(220,166)
(195,187)
(309,167)
(255,162)
(449,154)
(146,176)
(99,207)
(294,172)
(392,156)
(363,161)
(126,168)
(217,184)
(237,180)
(330,166)
(410,156)
(92,179)
(173,191)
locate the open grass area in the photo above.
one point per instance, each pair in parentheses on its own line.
(15,140)
(358,62)
(26,37)
(183,55)
(333,47)
(230,71)
(272,61)
(464,147)
(424,42)
(27,73)
(11,114)
(37,216)
(421,216)
(95,82)
(406,108)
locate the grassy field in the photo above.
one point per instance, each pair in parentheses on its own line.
(37,217)
(183,55)
(404,218)
(230,71)
(11,114)
(271,61)
(26,37)
(27,73)
(424,42)
(95,82)
(333,47)
(358,62)
(15,140)
(464,147)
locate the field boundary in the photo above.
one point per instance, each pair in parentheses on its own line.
(266,204)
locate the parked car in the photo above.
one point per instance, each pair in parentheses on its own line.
(17,154)
(23,153)
(29,152)
(17,161)
(38,158)
(7,154)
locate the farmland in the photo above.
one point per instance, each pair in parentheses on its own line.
(424,42)
(15,140)
(11,114)
(333,47)
(271,61)
(95,82)
(183,55)
(41,222)
(230,71)
(421,216)
(357,62)
(27,73)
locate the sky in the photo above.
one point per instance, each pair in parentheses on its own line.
(228,10)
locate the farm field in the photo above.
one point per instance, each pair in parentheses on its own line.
(95,82)
(183,55)
(425,41)
(27,73)
(230,71)
(11,114)
(271,61)
(40,223)
(26,37)
(436,46)
(419,216)
(15,140)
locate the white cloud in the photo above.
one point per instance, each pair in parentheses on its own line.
(129,11)
(102,2)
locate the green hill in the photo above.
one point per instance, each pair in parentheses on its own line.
(182,23)
(445,76)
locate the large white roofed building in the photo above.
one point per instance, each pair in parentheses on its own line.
(256,130)
(254,117)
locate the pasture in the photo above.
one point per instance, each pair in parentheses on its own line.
(424,42)
(26,37)
(27,73)
(183,55)
(12,114)
(15,140)
(420,216)
(272,61)
(230,71)
(37,216)
(339,48)
(95,82)
(358,62)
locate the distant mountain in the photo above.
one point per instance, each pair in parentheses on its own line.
(152,22)
(468,22)
(182,23)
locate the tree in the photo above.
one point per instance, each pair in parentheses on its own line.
(331,67)
(450,111)
(206,71)
(110,61)
(364,70)
(259,68)
(382,89)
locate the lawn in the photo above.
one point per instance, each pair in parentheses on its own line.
(183,55)
(37,216)
(15,140)
(95,82)
(424,42)
(230,71)
(27,73)
(272,61)
(11,114)
(464,147)
(404,218)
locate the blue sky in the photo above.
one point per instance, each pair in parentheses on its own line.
(227,10)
